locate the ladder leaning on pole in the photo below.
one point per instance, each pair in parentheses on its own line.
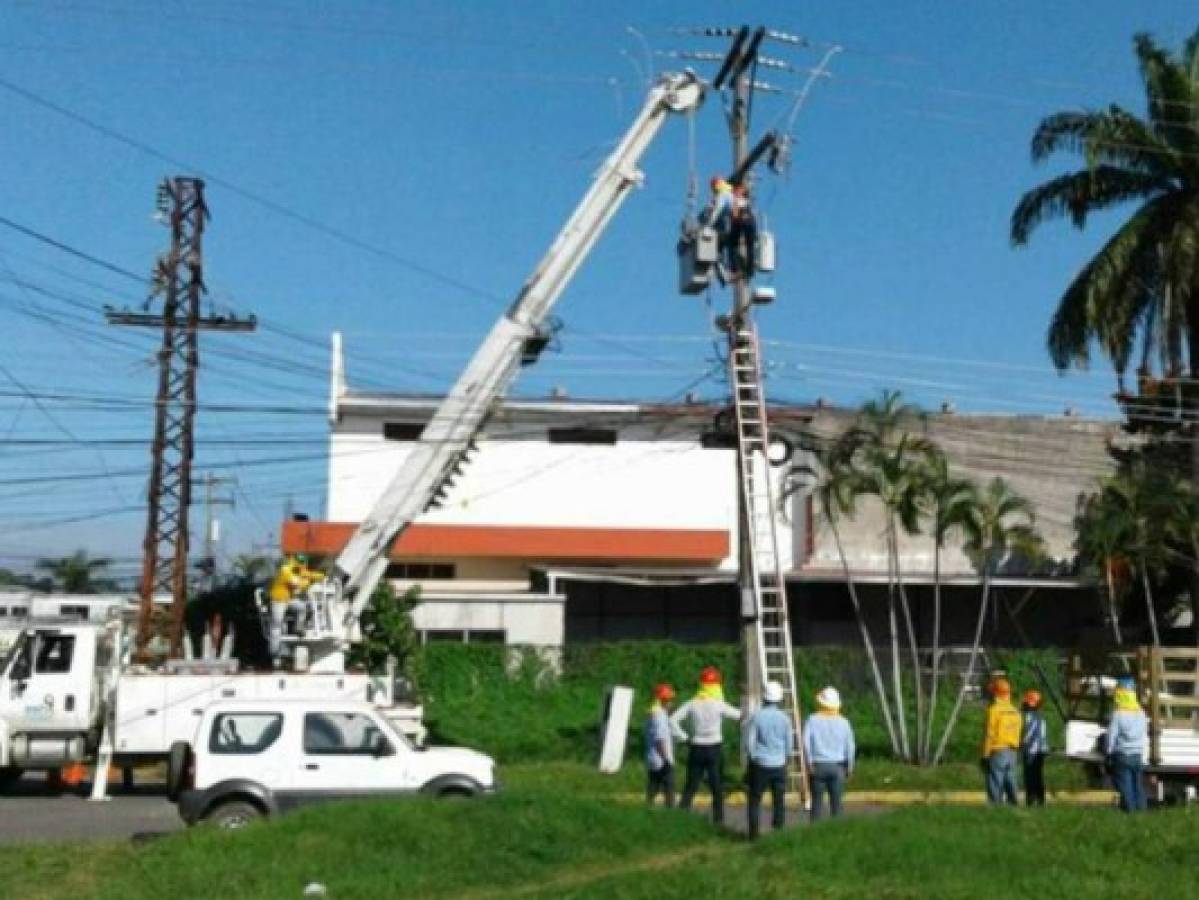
(775,659)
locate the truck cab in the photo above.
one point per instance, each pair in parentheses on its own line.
(50,694)
(256,758)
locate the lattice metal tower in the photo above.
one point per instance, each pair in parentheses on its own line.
(178,281)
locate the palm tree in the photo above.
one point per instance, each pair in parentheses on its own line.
(252,567)
(1001,525)
(1135,506)
(837,490)
(951,504)
(1103,539)
(1145,280)
(75,574)
(888,461)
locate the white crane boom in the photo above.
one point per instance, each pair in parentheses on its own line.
(435,458)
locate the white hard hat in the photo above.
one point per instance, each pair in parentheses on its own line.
(829,698)
(773,692)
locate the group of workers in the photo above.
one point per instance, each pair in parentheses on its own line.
(1009,735)
(769,740)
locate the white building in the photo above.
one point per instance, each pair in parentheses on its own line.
(580,520)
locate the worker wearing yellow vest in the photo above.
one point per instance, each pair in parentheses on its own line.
(1001,741)
(292,579)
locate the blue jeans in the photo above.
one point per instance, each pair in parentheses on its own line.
(1001,777)
(827,778)
(1127,776)
(762,778)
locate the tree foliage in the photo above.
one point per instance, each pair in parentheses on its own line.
(79,573)
(1143,284)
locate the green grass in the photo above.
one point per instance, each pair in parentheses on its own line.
(557,831)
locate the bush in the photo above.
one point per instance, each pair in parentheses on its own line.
(522,705)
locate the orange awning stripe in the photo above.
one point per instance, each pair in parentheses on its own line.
(522,542)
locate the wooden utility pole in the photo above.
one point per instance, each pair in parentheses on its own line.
(179,282)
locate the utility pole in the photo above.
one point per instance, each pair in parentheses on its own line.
(211,482)
(178,281)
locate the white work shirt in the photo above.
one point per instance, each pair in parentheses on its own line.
(704,717)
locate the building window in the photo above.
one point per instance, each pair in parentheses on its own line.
(460,636)
(403,431)
(72,611)
(582,435)
(422,571)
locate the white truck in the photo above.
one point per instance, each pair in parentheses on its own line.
(68,693)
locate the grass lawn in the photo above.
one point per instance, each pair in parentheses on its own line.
(557,831)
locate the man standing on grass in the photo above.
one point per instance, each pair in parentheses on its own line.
(705,714)
(1034,747)
(1125,747)
(770,739)
(1001,740)
(659,748)
(829,749)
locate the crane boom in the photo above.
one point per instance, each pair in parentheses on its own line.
(445,441)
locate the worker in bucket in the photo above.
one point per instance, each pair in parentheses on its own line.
(1001,741)
(1124,746)
(769,740)
(830,751)
(292,579)
(659,748)
(1034,747)
(704,714)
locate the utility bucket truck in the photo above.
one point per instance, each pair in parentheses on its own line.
(68,694)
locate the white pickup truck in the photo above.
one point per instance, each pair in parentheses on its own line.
(63,691)
(255,758)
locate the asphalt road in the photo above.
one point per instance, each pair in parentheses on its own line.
(31,813)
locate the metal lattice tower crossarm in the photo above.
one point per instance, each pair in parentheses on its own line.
(178,281)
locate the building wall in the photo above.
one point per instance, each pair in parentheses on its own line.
(1050,461)
(535,622)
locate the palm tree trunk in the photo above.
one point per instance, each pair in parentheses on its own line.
(936,650)
(912,644)
(1111,603)
(896,674)
(876,673)
(978,638)
(1157,640)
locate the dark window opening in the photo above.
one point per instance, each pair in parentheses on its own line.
(54,654)
(403,431)
(718,440)
(73,611)
(582,435)
(422,571)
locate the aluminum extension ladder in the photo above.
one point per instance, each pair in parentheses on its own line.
(775,659)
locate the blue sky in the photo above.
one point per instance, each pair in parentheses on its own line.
(453,139)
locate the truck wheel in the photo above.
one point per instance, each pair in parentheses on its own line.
(233,815)
(9,775)
(177,764)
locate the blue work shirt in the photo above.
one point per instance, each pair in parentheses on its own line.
(659,742)
(829,739)
(769,737)
(1034,738)
(1126,733)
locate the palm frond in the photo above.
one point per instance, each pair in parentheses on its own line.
(1078,194)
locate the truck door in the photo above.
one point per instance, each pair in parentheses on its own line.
(350,754)
(57,692)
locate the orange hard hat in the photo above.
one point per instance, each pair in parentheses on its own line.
(1031,699)
(1001,687)
(664,693)
(709,675)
